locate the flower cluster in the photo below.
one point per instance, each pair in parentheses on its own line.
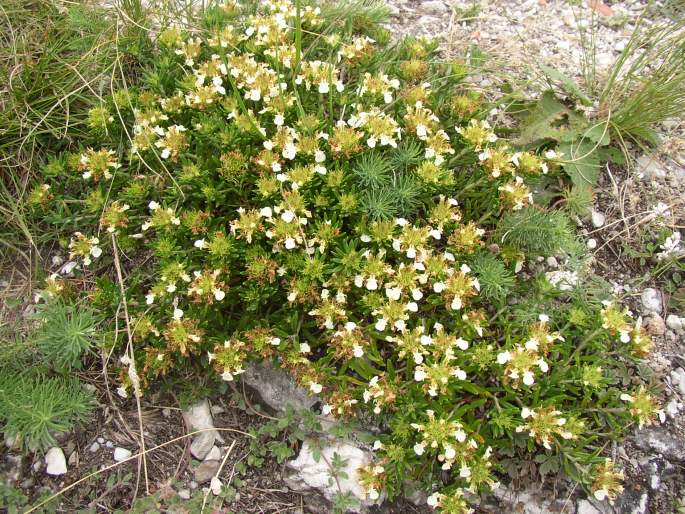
(607,482)
(291,192)
(85,248)
(644,407)
(544,424)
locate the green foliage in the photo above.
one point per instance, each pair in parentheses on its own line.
(307,199)
(578,201)
(36,408)
(536,232)
(372,171)
(549,119)
(13,499)
(65,333)
(496,281)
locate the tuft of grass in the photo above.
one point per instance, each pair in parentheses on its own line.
(36,408)
(646,84)
(65,333)
(536,232)
(372,170)
(496,281)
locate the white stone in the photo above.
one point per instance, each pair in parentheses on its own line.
(101,440)
(598,218)
(121,454)
(675,323)
(214,454)
(678,378)
(307,475)
(650,167)
(184,494)
(673,408)
(199,417)
(651,300)
(56,462)
(434,5)
(585,507)
(94,447)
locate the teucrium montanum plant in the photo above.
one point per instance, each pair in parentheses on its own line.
(301,191)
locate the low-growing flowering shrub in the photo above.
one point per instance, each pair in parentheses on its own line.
(289,186)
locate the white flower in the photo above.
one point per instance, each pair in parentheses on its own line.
(315,388)
(433,500)
(305,348)
(178,313)
(526,412)
(601,494)
(670,247)
(528,378)
(199,243)
(419,448)
(219,294)
(419,375)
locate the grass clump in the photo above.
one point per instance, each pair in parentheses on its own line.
(65,333)
(36,408)
(531,231)
(294,201)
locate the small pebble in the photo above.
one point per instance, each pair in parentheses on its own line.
(121,454)
(651,300)
(675,323)
(598,218)
(56,462)
(655,325)
(94,447)
(592,244)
